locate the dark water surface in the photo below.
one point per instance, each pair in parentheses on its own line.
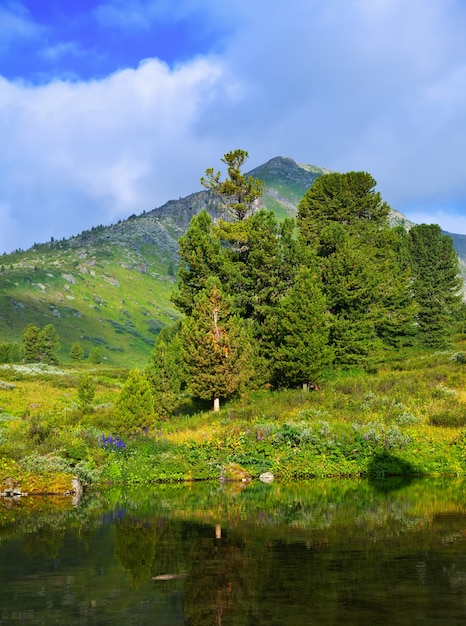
(320,553)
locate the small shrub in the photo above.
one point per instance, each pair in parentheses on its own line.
(450,416)
(441,391)
(44,464)
(407,419)
(86,392)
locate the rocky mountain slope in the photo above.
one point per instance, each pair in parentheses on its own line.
(110,286)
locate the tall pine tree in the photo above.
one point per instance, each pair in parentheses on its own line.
(344,223)
(201,257)
(217,350)
(436,283)
(302,349)
(165,370)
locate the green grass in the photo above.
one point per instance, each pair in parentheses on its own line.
(407,417)
(110,298)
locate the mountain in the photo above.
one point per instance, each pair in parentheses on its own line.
(110,286)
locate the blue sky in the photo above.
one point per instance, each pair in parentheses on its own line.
(113,107)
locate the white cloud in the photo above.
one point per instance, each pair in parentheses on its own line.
(77,154)
(378,85)
(367,85)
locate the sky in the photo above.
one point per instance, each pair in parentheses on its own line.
(109,108)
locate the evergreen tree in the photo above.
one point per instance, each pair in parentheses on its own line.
(134,408)
(436,282)
(95,356)
(238,192)
(344,224)
(4,353)
(165,370)
(217,350)
(30,338)
(76,351)
(349,283)
(302,351)
(261,259)
(201,258)
(48,345)
(15,353)
(348,199)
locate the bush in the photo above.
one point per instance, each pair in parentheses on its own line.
(134,408)
(453,416)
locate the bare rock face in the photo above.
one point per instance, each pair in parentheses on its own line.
(77,490)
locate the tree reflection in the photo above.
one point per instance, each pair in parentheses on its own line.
(222,579)
(135,548)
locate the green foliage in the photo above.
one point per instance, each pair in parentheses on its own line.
(344,225)
(346,199)
(49,343)
(134,407)
(95,355)
(201,258)
(217,350)
(10,353)
(238,192)
(165,370)
(86,392)
(436,283)
(449,412)
(40,345)
(302,340)
(30,337)
(76,351)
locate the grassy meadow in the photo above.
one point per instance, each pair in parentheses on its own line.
(407,417)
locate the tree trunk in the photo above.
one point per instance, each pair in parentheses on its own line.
(216,404)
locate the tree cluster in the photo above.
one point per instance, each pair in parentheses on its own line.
(275,303)
(40,345)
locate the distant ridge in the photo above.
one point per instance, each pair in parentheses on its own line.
(110,286)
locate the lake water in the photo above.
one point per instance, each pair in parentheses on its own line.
(312,553)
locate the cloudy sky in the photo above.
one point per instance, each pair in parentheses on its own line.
(113,107)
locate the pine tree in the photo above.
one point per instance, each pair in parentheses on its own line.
(217,350)
(134,408)
(95,356)
(238,192)
(302,351)
(201,257)
(86,391)
(15,353)
(76,351)
(344,224)
(30,338)
(4,353)
(436,283)
(165,370)
(48,345)
(348,199)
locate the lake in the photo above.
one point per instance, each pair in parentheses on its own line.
(313,553)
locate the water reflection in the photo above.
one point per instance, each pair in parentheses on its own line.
(323,552)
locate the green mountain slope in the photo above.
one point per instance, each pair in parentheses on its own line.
(110,286)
